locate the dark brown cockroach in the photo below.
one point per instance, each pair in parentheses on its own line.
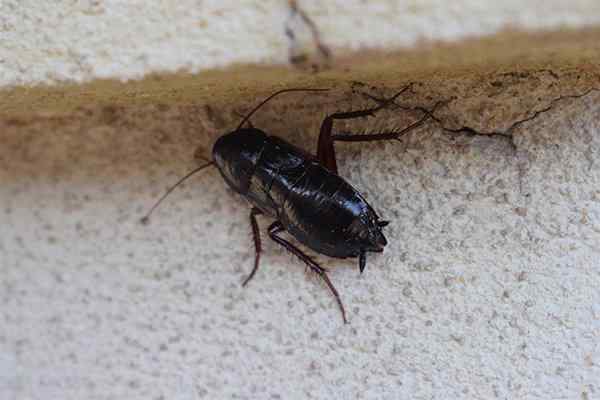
(303,193)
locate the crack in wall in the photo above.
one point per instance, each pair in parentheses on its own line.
(528,74)
(508,132)
(306,49)
(504,135)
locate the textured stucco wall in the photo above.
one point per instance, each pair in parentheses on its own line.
(64,40)
(488,288)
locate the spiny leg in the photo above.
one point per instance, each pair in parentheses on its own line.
(393,134)
(385,135)
(325,149)
(274,229)
(257,248)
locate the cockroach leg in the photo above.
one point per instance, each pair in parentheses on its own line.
(275,228)
(384,135)
(325,148)
(257,247)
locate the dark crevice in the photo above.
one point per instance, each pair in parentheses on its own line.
(504,135)
(298,56)
(529,74)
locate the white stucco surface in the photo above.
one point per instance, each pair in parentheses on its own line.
(64,40)
(487,289)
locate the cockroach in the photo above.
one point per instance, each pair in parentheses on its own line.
(303,193)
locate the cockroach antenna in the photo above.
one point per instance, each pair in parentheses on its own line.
(273,95)
(146,219)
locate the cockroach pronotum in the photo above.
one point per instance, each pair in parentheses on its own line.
(303,193)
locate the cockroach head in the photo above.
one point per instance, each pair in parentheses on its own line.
(236,154)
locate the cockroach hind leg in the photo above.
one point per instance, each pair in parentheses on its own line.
(277,227)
